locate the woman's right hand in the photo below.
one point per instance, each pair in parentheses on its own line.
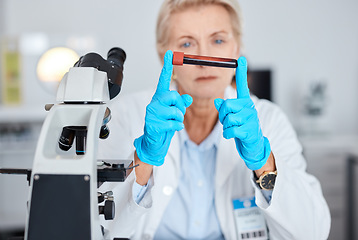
(164,116)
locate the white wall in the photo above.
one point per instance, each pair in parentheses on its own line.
(109,23)
(2,19)
(304,41)
(301,40)
(126,24)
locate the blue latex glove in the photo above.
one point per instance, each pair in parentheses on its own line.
(164,116)
(240,121)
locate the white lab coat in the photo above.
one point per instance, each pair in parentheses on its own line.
(297,210)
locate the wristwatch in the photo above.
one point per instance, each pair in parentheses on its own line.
(267,180)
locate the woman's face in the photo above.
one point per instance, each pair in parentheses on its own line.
(204,30)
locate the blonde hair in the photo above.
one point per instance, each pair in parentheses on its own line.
(171,6)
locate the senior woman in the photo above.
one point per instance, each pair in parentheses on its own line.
(200,144)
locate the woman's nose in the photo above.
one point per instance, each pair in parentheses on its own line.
(203,50)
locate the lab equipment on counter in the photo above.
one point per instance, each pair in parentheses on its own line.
(64,201)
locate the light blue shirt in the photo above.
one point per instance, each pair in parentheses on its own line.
(191,212)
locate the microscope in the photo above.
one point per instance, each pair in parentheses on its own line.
(64,199)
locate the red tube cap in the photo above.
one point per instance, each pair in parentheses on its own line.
(178,58)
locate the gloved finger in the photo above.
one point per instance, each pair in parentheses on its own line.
(173,98)
(241,79)
(218,102)
(152,138)
(172,113)
(161,127)
(245,132)
(156,111)
(187,99)
(173,125)
(238,119)
(166,74)
(233,106)
(234,132)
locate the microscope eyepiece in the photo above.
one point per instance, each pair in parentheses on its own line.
(117,56)
(113,66)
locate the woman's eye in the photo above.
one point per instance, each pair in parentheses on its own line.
(187,44)
(219,41)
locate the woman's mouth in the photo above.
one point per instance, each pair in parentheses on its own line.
(205,78)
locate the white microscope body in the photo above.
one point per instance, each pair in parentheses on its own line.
(63,202)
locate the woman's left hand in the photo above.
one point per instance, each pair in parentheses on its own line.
(240,121)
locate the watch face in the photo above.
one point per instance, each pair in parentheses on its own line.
(268,181)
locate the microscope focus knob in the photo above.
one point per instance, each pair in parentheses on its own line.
(108,210)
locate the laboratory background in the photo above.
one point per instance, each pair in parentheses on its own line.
(302,55)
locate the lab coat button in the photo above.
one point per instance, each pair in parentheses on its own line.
(167,190)
(146,237)
(200,183)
